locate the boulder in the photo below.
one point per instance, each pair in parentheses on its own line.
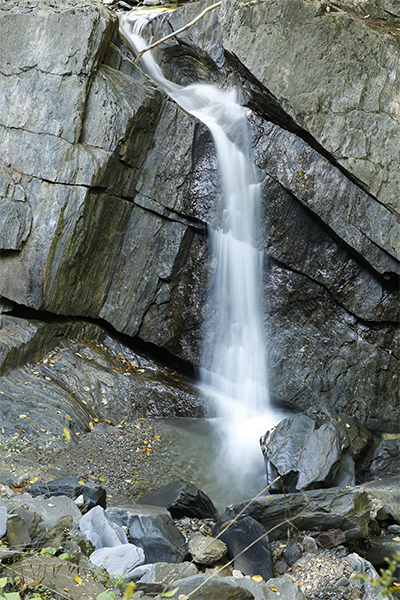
(386,459)
(101,531)
(93,494)
(256,560)
(385,495)
(158,576)
(42,514)
(315,449)
(270,589)
(382,548)
(181,499)
(314,510)
(206,550)
(118,560)
(17,533)
(212,589)
(152,529)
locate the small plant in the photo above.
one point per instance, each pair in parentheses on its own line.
(386,583)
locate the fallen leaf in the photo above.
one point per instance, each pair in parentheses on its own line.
(78,580)
(33,480)
(257,578)
(273,588)
(23,416)
(396,539)
(69,418)
(67,434)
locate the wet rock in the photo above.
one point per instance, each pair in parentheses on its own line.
(181,499)
(314,449)
(100,531)
(118,560)
(303,455)
(346,509)
(152,529)
(206,550)
(93,494)
(257,559)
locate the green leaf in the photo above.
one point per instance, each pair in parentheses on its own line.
(170,593)
(3,582)
(50,551)
(12,596)
(106,596)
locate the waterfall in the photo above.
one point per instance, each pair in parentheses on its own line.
(236,379)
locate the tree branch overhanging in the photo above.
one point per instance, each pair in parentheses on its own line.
(177,32)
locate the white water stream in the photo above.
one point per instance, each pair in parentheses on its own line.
(237,380)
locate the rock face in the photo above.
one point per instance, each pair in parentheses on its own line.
(106,186)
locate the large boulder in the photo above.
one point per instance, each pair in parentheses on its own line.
(313,450)
(152,529)
(181,499)
(315,510)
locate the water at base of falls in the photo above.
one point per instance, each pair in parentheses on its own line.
(234,353)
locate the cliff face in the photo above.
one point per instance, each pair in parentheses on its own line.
(107,187)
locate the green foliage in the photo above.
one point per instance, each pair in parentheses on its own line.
(4,581)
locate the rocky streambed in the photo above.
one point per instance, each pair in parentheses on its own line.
(320,543)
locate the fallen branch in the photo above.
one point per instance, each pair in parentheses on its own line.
(178,31)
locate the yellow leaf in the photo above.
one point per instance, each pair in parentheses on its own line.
(273,588)
(91,425)
(81,482)
(22,416)
(128,480)
(257,578)
(67,434)
(33,480)
(69,418)
(137,482)
(396,539)
(78,580)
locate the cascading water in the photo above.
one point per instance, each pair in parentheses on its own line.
(236,378)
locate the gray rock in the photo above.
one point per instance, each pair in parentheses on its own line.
(159,575)
(50,510)
(385,493)
(393,529)
(380,548)
(309,545)
(386,459)
(181,498)
(206,550)
(152,529)
(248,545)
(118,560)
(100,531)
(213,589)
(347,509)
(3,520)
(17,533)
(303,455)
